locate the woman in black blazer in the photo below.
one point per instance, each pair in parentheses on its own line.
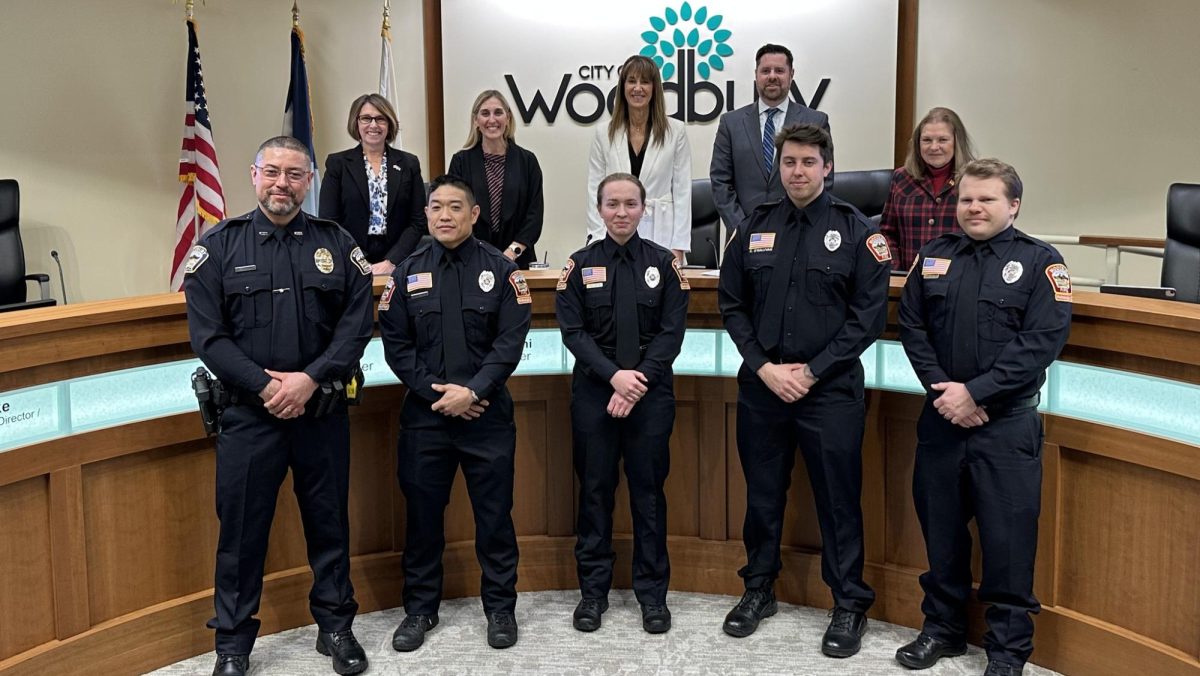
(373,190)
(514,224)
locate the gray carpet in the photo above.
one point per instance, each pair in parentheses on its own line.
(788,643)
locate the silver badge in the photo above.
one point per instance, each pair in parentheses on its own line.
(1012,272)
(487,280)
(652,277)
(833,240)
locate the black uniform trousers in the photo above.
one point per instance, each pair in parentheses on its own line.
(254,452)
(827,424)
(994,474)
(431,449)
(642,440)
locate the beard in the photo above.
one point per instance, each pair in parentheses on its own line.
(279,208)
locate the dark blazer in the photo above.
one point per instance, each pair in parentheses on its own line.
(521,205)
(739,180)
(345,198)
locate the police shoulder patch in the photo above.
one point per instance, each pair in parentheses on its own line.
(385,301)
(360,261)
(566,273)
(683,282)
(1060,282)
(519,285)
(878,246)
(196,257)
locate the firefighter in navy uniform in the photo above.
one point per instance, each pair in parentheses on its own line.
(453,318)
(984,313)
(622,309)
(803,292)
(279,304)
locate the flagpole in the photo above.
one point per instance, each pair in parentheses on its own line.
(295,14)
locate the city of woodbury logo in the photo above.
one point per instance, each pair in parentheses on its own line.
(683,29)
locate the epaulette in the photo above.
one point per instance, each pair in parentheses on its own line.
(327,222)
(844,206)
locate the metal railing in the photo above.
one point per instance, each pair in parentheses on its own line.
(1113,248)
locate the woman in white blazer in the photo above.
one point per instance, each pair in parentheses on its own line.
(641,140)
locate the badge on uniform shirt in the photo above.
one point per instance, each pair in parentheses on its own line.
(521,287)
(360,260)
(762,241)
(934,267)
(385,301)
(1012,271)
(683,282)
(324,260)
(878,246)
(566,272)
(195,259)
(421,280)
(833,240)
(1060,281)
(594,277)
(487,280)
(652,277)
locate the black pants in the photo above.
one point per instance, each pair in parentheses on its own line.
(994,474)
(431,449)
(254,452)
(827,424)
(601,442)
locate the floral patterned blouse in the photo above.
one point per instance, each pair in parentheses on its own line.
(377,189)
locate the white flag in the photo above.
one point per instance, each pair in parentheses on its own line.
(387,76)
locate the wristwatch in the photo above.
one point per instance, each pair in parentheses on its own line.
(516,249)
(474,397)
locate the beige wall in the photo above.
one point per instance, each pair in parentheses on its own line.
(1095,102)
(93,133)
(91,115)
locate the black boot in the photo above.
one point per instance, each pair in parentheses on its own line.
(755,606)
(348,656)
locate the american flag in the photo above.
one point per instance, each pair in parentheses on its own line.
(762,241)
(935,267)
(595,276)
(201,203)
(421,280)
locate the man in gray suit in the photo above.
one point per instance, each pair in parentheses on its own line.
(743,171)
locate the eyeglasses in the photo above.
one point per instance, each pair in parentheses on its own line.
(366,120)
(273,173)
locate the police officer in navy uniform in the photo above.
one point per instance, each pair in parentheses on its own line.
(454,317)
(803,292)
(279,303)
(984,312)
(622,308)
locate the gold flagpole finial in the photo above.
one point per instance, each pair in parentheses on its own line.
(386,15)
(295,14)
(188,8)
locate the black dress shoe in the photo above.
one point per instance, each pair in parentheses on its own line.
(926,651)
(843,638)
(997,668)
(411,633)
(755,606)
(502,629)
(656,619)
(587,614)
(348,656)
(232,665)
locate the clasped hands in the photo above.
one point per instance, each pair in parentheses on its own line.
(629,386)
(287,393)
(957,405)
(458,402)
(789,382)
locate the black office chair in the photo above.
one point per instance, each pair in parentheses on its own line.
(706,226)
(13,292)
(867,190)
(1181,259)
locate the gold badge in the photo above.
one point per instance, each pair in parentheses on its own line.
(521,287)
(324,260)
(566,272)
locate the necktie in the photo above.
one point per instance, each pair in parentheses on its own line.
(454,337)
(286,301)
(628,333)
(964,359)
(769,140)
(770,324)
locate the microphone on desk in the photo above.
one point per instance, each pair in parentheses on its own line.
(61,280)
(716,252)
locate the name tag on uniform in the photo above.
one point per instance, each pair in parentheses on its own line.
(245,268)
(934,267)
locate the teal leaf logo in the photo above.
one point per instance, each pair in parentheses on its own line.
(687,27)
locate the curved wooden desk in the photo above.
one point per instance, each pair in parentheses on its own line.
(107,537)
